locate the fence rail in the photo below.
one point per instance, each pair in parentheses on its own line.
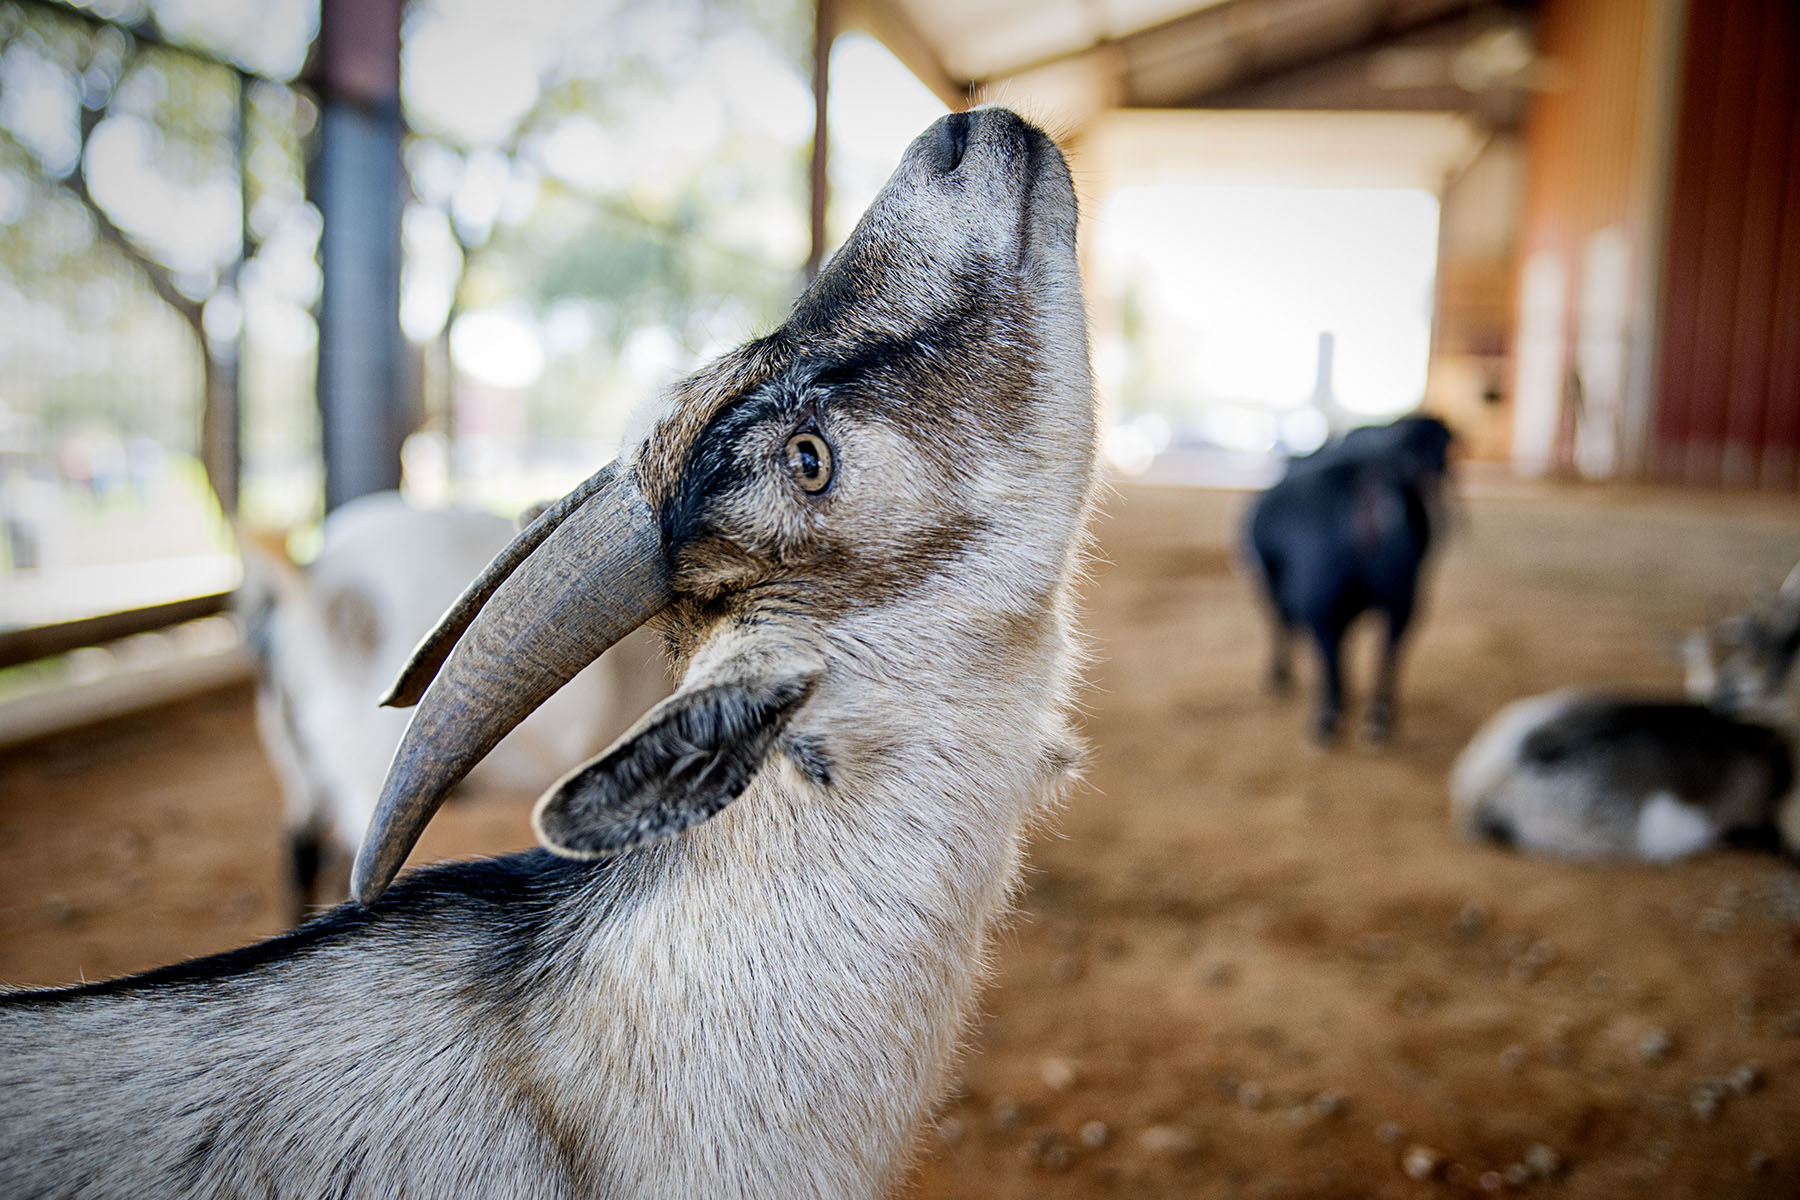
(46,641)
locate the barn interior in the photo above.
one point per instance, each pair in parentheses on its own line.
(254,267)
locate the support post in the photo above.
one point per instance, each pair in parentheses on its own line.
(824,31)
(357,181)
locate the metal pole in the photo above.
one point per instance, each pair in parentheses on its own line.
(357,182)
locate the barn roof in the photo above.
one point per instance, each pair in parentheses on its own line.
(1439,55)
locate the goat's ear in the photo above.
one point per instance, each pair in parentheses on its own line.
(685,760)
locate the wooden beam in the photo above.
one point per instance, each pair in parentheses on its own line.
(888,23)
(42,641)
(824,33)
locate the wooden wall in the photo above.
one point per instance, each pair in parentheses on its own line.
(1658,328)
(1728,409)
(1589,145)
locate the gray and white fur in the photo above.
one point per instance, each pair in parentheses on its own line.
(329,636)
(748,966)
(1591,775)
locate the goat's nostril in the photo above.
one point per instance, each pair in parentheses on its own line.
(955,134)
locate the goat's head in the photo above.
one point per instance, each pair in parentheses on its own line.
(915,441)
(1745,665)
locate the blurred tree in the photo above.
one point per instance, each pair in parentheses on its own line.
(634,170)
(628,181)
(144,138)
(164,153)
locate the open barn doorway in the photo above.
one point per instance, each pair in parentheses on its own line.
(1261,281)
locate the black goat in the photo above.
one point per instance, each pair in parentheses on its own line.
(1346,530)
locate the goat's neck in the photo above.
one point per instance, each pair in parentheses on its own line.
(796,972)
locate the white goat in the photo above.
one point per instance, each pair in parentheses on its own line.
(331,636)
(858,535)
(1583,774)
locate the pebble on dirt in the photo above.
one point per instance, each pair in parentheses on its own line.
(1706,1097)
(1746,1077)
(1059,1074)
(1472,921)
(1543,1161)
(1655,1046)
(1420,1162)
(1328,1104)
(1168,1140)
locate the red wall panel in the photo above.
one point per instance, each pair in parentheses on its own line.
(1728,408)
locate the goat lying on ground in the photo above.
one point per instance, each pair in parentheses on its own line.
(857,536)
(1346,530)
(331,636)
(1589,775)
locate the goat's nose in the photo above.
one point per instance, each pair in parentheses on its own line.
(952,142)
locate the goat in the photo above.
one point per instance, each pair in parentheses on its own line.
(745,966)
(1590,775)
(1346,530)
(328,637)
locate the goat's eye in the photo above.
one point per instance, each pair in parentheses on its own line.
(809,458)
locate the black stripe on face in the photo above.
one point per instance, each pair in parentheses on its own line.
(962,329)
(972,372)
(959,390)
(716,464)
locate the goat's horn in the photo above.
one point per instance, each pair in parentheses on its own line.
(598,574)
(435,646)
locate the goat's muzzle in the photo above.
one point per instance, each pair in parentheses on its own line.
(583,575)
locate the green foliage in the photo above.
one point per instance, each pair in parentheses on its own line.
(119,176)
(683,212)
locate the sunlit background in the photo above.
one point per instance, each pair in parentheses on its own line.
(602,195)
(1255,319)
(596,197)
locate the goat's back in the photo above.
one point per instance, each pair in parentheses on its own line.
(1588,775)
(1339,536)
(356,1056)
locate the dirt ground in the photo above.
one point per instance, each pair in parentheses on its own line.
(1244,966)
